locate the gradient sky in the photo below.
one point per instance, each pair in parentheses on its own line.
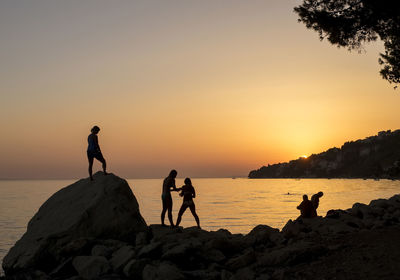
(211,88)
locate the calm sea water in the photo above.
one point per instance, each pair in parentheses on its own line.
(235,204)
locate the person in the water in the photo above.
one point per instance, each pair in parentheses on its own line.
(94,152)
(168,185)
(188,194)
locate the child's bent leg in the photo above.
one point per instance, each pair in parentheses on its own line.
(181,211)
(193,210)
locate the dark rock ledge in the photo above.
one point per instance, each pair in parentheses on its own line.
(94,230)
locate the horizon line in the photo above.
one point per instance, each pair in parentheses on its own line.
(142,178)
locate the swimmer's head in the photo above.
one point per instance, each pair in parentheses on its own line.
(188,181)
(95,129)
(173,173)
(320,194)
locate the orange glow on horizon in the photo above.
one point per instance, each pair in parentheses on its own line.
(174,86)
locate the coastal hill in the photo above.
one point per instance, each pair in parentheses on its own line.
(373,157)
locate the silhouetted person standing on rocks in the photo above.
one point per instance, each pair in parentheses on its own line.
(188,194)
(168,185)
(94,152)
(306,208)
(315,201)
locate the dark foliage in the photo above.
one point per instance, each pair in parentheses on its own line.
(374,157)
(350,23)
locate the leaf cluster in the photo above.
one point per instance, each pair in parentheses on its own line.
(351,23)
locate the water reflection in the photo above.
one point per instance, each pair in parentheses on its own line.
(237,205)
(222,202)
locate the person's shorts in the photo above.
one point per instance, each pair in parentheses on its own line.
(95,154)
(188,203)
(166,200)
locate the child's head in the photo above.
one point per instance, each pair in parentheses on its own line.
(188,181)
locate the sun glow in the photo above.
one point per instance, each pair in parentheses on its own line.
(304,156)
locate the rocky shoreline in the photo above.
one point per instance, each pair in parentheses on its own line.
(94,230)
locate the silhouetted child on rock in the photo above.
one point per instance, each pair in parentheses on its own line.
(188,194)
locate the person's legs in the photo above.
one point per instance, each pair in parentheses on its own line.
(104,165)
(193,210)
(90,159)
(164,210)
(170,214)
(181,211)
(100,158)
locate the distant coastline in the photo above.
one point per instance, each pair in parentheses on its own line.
(375,157)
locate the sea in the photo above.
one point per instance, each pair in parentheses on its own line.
(235,204)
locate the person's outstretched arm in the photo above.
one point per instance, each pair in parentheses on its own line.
(193,193)
(173,186)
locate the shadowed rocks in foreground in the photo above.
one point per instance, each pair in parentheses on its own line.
(358,243)
(103,208)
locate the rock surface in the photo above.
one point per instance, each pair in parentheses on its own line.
(121,257)
(91,267)
(103,208)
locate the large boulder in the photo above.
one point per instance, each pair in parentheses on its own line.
(102,209)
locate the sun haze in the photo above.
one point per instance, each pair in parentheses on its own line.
(210,88)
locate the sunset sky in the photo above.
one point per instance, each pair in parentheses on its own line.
(210,88)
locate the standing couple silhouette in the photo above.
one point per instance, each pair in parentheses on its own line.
(187,192)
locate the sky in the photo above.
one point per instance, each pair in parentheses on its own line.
(210,88)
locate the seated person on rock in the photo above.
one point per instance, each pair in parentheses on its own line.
(315,200)
(188,194)
(306,208)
